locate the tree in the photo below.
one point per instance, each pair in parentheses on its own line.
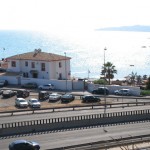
(144,77)
(108,70)
(139,79)
(100,81)
(133,77)
(148,83)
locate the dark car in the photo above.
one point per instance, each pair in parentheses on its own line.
(23,93)
(101,90)
(2,70)
(90,98)
(1,92)
(24,145)
(29,85)
(67,97)
(43,95)
(3,83)
(8,93)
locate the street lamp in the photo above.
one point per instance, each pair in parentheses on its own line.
(104,89)
(132,74)
(65,70)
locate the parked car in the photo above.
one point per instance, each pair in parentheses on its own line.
(23,93)
(54,97)
(67,97)
(21,102)
(30,85)
(1,92)
(3,83)
(101,90)
(43,95)
(126,92)
(24,145)
(34,103)
(2,70)
(90,98)
(8,93)
(46,87)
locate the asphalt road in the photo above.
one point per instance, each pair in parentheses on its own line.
(18,118)
(27,117)
(79,136)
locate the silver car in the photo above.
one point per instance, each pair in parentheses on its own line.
(54,97)
(34,103)
(126,92)
(46,87)
(21,102)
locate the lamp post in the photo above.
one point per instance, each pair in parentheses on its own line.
(132,74)
(104,90)
(65,70)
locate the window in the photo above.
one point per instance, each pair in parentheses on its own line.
(42,66)
(13,64)
(33,64)
(60,65)
(26,63)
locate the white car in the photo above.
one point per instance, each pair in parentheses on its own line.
(54,97)
(34,103)
(21,102)
(123,92)
(46,87)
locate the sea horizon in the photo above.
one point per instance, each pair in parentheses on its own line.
(85,48)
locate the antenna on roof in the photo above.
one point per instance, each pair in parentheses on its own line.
(36,51)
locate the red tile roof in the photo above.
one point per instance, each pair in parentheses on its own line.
(38,56)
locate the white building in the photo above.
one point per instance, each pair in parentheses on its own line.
(40,65)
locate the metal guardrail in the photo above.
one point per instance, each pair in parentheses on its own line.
(72,108)
(76,118)
(107,144)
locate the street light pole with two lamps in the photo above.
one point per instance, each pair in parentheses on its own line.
(104,90)
(65,71)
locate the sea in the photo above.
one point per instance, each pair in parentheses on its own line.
(127,51)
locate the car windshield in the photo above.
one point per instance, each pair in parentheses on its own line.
(34,101)
(22,100)
(55,94)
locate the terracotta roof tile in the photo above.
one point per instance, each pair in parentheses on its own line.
(41,56)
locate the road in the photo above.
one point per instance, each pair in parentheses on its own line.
(78,136)
(19,118)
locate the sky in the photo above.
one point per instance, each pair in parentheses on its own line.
(77,19)
(72,15)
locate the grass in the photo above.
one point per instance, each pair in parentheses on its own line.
(145,92)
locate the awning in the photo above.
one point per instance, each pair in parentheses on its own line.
(33,71)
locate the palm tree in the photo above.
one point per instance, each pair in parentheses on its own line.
(133,77)
(108,70)
(139,79)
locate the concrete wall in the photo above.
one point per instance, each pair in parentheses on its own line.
(73,122)
(134,90)
(59,84)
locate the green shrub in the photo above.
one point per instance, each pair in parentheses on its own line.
(145,92)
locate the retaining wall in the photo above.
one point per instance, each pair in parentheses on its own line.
(72,122)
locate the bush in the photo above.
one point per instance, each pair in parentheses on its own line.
(100,81)
(145,92)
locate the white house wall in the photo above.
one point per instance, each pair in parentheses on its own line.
(52,69)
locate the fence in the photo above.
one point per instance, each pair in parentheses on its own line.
(73,122)
(73,108)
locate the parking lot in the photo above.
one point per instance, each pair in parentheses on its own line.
(7,104)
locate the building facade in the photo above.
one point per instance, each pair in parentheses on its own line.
(40,65)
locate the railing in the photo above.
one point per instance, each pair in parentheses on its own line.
(78,118)
(72,108)
(107,144)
